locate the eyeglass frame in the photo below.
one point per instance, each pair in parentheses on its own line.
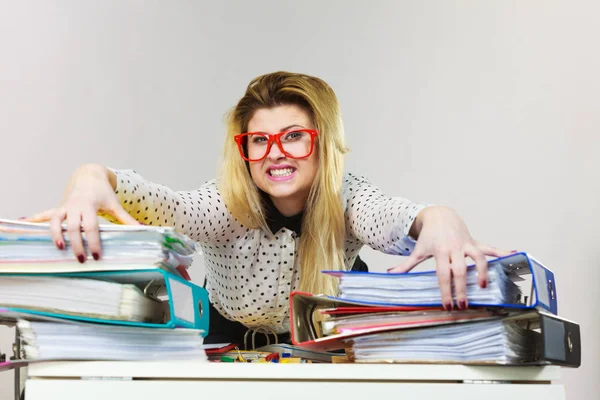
(275,138)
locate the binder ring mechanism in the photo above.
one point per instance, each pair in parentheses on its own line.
(260,329)
(152,291)
(551,289)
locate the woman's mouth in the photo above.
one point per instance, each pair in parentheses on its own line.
(281,174)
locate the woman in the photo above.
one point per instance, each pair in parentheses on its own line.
(281,210)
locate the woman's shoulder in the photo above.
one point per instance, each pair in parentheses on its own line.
(210,184)
(352,181)
(351,184)
(209,187)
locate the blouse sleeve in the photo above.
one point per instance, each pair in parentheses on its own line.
(379,221)
(199,214)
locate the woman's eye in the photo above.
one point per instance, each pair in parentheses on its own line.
(258,139)
(294,135)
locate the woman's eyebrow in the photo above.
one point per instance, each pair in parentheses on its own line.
(285,129)
(289,127)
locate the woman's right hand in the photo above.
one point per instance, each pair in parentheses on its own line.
(90,189)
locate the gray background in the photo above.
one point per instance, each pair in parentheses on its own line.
(489,107)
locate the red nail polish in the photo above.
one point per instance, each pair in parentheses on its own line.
(96,256)
(80,258)
(60,245)
(448,306)
(483,284)
(462,305)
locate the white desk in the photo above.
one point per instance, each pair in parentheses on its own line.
(197,380)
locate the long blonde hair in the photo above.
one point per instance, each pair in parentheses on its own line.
(323,225)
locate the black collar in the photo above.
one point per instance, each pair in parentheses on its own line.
(276,220)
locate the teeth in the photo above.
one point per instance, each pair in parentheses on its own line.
(281,172)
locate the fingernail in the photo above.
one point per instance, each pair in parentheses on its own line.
(448,306)
(22,218)
(390,269)
(483,284)
(81,258)
(60,245)
(514,251)
(462,304)
(96,256)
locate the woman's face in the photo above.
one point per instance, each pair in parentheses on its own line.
(286,180)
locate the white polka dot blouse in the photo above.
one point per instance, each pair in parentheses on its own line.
(249,276)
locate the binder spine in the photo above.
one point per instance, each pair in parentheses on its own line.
(560,341)
(188,304)
(544,285)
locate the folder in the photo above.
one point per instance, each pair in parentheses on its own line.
(178,303)
(557,340)
(305,329)
(525,338)
(536,283)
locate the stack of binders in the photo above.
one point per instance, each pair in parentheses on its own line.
(398,318)
(136,303)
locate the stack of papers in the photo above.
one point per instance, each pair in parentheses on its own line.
(89,298)
(135,303)
(334,322)
(422,287)
(494,341)
(59,341)
(28,247)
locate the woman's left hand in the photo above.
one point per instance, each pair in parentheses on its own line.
(442,234)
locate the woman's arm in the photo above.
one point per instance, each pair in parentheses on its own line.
(199,214)
(381,222)
(123,196)
(89,190)
(439,231)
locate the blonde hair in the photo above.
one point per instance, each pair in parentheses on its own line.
(323,225)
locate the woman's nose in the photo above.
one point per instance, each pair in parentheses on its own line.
(275,152)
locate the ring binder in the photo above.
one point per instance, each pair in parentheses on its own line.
(521,268)
(558,341)
(183,304)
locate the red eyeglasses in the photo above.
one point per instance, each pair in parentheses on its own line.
(294,143)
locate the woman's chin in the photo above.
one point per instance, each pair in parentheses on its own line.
(280,192)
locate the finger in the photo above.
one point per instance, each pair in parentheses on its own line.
(74,232)
(92,233)
(121,215)
(409,263)
(480,263)
(56,230)
(41,217)
(459,275)
(493,251)
(444,275)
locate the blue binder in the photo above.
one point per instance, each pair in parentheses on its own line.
(182,304)
(535,280)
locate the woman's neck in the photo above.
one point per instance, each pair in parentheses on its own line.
(289,207)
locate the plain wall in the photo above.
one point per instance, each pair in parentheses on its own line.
(489,107)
